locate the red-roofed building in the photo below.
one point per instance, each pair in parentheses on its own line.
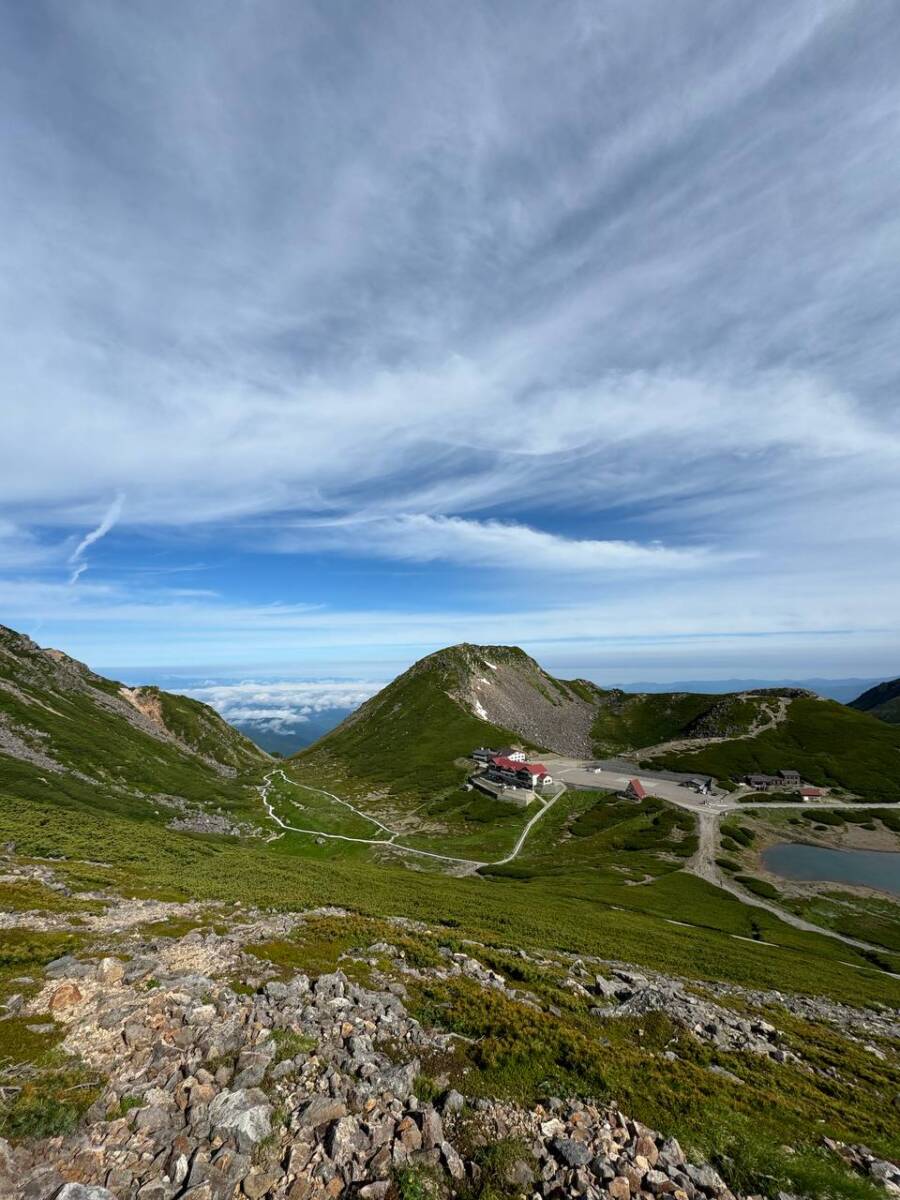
(811,793)
(518,774)
(635,790)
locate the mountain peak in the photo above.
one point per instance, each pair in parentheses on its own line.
(470,655)
(455,699)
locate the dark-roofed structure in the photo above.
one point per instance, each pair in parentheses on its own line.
(763,783)
(511,752)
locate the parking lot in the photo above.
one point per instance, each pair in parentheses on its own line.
(578,774)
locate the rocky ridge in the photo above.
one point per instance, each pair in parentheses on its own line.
(508,688)
(37,682)
(621,991)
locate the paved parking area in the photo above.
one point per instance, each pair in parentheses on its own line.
(575,773)
(666,789)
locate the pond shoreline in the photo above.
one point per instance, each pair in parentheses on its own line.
(812,863)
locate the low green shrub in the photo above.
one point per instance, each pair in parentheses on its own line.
(759,887)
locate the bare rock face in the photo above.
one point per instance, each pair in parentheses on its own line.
(504,686)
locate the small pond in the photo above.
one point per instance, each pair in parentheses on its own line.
(869,868)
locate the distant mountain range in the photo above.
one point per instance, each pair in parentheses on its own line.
(844,690)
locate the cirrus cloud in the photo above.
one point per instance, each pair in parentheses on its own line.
(421,537)
(607,297)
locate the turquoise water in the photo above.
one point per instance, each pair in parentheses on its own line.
(870,868)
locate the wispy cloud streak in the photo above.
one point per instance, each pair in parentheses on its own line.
(109,519)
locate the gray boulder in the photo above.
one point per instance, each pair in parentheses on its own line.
(245,1114)
(570,1152)
(322,1110)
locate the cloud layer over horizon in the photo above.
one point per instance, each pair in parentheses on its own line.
(331,330)
(280,706)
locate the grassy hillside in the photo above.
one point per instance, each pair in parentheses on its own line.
(627,721)
(882,701)
(632,720)
(828,743)
(571,911)
(70,734)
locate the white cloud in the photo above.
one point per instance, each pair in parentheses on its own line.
(418,537)
(108,520)
(282,706)
(635,283)
(506,267)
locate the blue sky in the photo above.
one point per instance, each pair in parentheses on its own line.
(333,333)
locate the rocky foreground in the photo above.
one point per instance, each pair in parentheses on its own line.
(305,1088)
(218,1079)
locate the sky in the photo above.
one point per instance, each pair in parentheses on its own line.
(333,333)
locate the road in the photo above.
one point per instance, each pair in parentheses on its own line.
(708,811)
(546,805)
(390,842)
(704,866)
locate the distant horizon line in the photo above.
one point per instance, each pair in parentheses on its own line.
(269,674)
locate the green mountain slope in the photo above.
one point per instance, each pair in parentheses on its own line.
(827,742)
(86,740)
(631,720)
(881,701)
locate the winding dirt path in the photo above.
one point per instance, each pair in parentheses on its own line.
(390,842)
